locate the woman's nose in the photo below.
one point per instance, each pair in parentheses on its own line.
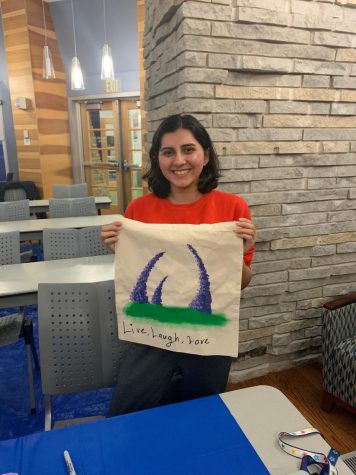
(179,158)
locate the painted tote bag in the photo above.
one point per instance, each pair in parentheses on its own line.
(178,286)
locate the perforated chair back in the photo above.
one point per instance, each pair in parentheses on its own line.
(14,210)
(59,207)
(110,344)
(83,206)
(66,207)
(90,243)
(69,334)
(60,191)
(79,347)
(60,243)
(15,194)
(79,190)
(10,248)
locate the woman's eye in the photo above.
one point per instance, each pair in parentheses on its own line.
(166,153)
(188,149)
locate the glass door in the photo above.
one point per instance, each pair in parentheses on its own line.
(102,152)
(112,147)
(130,114)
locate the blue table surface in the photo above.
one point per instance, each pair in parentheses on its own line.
(193,437)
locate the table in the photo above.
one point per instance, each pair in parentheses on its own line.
(32,228)
(218,435)
(19,282)
(41,206)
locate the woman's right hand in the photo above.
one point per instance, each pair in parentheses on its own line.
(110,234)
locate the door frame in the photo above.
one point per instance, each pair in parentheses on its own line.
(75,126)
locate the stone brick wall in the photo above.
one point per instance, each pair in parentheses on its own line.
(274,81)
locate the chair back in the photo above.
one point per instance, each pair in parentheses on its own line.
(59,207)
(66,207)
(15,194)
(79,346)
(79,190)
(83,206)
(90,243)
(14,210)
(338,338)
(60,243)
(10,248)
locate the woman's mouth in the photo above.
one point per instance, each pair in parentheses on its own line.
(181,172)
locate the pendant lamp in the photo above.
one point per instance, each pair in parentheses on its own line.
(107,64)
(76,75)
(47,65)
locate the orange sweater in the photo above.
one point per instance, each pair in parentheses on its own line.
(213,207)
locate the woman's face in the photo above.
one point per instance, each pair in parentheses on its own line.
(181,159)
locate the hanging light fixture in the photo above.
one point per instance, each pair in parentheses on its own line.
(47,65)
(107,64)
(76,75)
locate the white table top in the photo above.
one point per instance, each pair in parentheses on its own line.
(22,279)
(262,412)
(32,228)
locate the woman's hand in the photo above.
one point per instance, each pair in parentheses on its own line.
(110,234)
(246,230)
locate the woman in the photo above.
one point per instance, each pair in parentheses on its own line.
(183,175)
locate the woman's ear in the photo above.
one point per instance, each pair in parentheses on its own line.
(206,156)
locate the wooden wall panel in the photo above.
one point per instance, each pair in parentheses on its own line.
(47,159)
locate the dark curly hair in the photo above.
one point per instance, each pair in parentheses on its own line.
(208,179)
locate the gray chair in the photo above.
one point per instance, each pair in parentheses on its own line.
(79,346)
(68,207)
(66,243)
(83,206)
(14,210)
(79,190)
(60,243)
(10,249)
(15,194)
(90,243)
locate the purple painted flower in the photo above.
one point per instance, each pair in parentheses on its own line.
(139,292)
(157,295)
(202,300)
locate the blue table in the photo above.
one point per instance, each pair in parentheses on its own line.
(198,437)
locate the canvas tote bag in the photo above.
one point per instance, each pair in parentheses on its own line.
(178,286)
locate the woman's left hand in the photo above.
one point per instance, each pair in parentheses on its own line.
(246,230)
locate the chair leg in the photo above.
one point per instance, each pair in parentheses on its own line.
(28,337)
(48,412)
(29,340)
(31,386)
(328,402)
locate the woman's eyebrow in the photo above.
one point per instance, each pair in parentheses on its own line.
(183,145)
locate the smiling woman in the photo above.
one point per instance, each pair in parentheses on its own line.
(183,175)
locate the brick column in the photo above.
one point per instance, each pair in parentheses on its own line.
(275,84)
